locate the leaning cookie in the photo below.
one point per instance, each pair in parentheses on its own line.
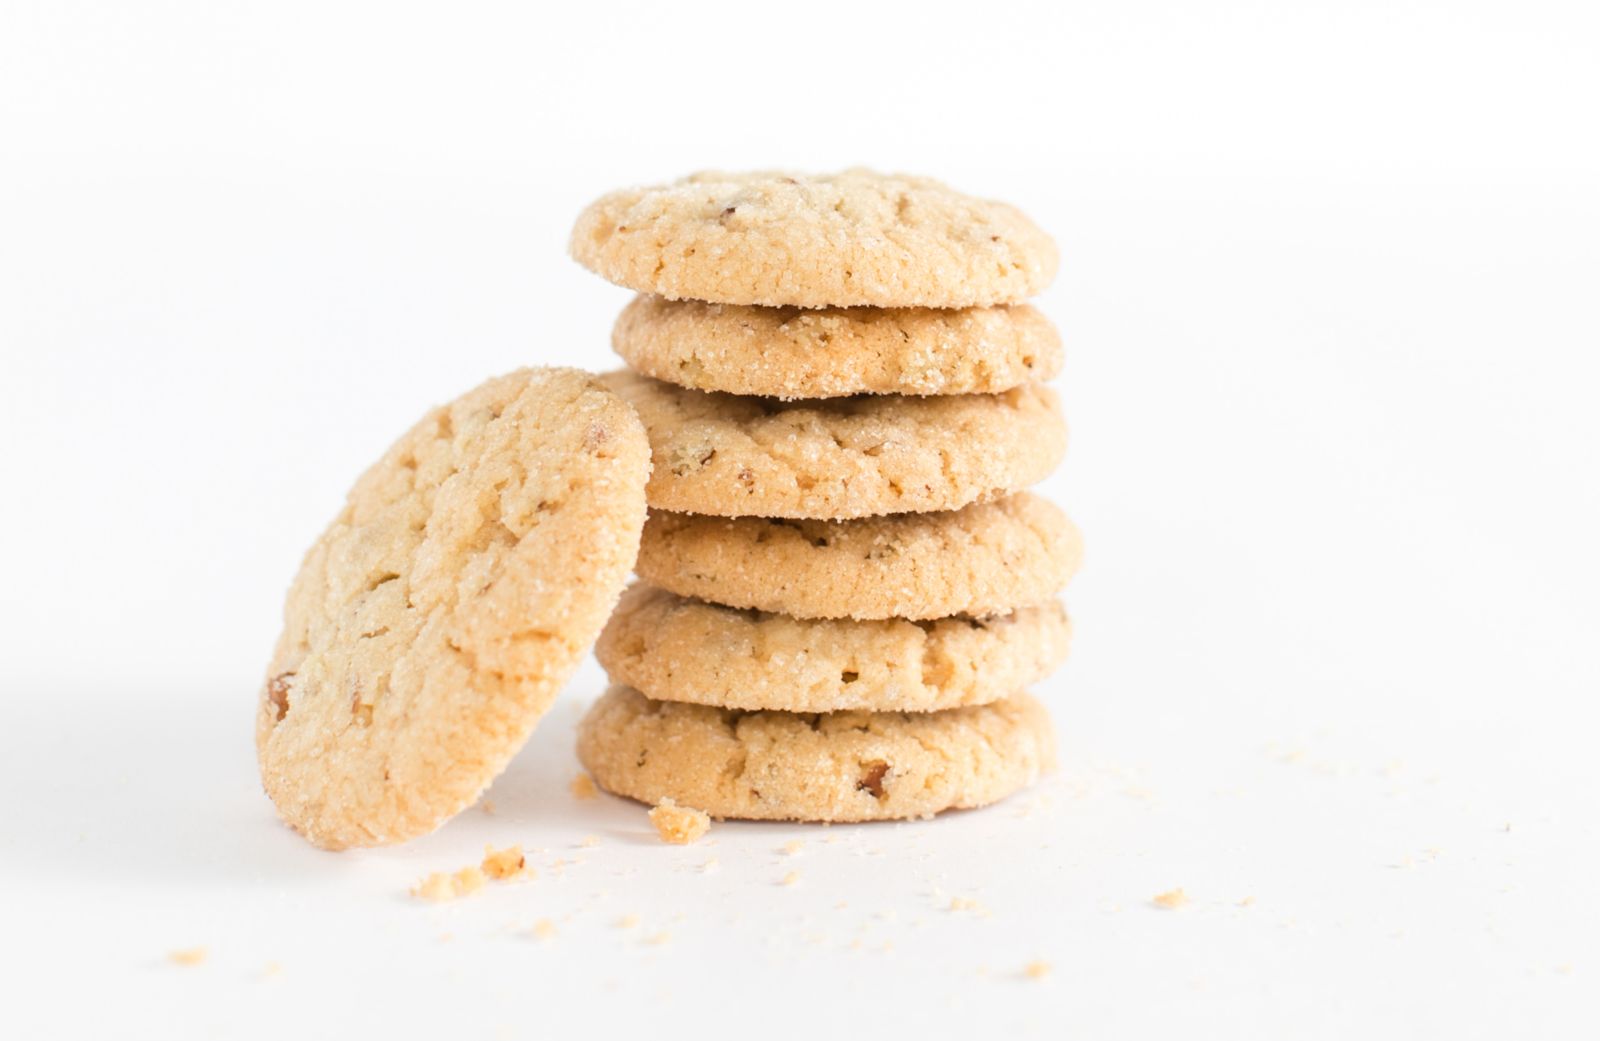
(729,455)
(985,559)
(852,239)
(838,766)
(792,353)
(435,619)
(675,649)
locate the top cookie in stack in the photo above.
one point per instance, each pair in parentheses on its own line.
(843,365)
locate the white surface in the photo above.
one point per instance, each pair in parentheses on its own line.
(1329,299)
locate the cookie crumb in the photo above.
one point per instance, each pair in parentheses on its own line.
(792,878)
(961,903)
(658,939)
(1036,970)
(679,825)
(793,847)
(443,885)
(487,806)
(711,866)
(189,956)
(590,841)
(583,787)
(1247,901)
(544,929)
(503,864)
(1171,900)
(628,921)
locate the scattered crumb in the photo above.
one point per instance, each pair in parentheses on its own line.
(961,903)
(791,878)
(1247,901)
(1171,900)
(658,939)
(487,806)
(711,866)
(502,864)
(628,921)
(582,787)
(590,841)
(442,885)
(272,969)
(189,956)
(1564,969)
(792,847)
(544,929)
(679,825)
(1036,970)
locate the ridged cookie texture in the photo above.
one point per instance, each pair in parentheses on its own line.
(728,455)
(672,648)
(851,239)
(438,615)
(837,766)
(794,353)
(985,559)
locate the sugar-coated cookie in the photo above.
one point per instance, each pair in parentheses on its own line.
(835,766)
(986,559)
(852,239)
(438,615)
(791,352)
(672,648)
(730,455)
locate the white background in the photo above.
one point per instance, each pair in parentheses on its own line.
(1329,296)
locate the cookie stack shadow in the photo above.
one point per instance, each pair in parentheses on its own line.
(846,587)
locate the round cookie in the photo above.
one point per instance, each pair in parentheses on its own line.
(791,353)
(986,559)
(852,239)
(438,615)
(833,766)
(729,455)
(672,648)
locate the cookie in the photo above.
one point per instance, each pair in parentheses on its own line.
(851,239)
(671,648)
(729,455)
(789,352)
(989,558)
(834,766)
(438,615)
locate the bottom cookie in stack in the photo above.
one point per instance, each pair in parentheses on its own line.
(834,766)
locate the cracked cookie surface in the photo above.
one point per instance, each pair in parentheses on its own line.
(672,648)
(436,618)
(985,559)
(851,239)
(731,455)
(837,766)
(792,353)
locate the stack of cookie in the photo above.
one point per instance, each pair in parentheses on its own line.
(846,587)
